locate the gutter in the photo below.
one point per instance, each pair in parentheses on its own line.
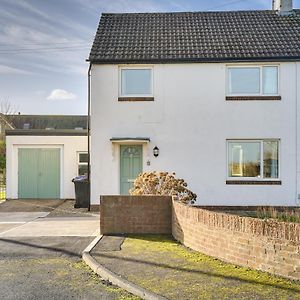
(45,132)
(195,60)
(89,133)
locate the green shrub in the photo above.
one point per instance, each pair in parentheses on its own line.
(287,215)
(2,156)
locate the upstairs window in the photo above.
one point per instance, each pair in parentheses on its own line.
(136,82)
(256,159)
(252,80)
(82,163)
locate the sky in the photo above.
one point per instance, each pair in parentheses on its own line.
(44,45)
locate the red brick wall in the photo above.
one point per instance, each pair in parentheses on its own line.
(264,245)
(135,214)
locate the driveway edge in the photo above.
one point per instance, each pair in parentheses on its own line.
(114,278)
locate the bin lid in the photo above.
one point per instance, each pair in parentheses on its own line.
(79,178)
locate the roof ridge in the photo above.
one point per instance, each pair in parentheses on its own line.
(189,12)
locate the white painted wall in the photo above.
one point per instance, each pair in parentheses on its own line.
(190,121)
(69,145)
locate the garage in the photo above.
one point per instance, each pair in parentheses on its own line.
(42,164)
(39,173)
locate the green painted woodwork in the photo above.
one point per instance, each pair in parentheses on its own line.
(39,173)
(131,165)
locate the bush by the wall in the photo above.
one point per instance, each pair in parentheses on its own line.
(162,183)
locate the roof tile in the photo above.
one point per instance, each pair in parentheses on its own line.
(196,36)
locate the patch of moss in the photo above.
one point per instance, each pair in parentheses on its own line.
(120,293)
(95,279)
(183,268)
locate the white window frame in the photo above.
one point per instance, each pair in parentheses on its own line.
(261,141)
(135,68)
(260,80)
(80,163)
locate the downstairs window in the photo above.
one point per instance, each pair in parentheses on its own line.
(253,159)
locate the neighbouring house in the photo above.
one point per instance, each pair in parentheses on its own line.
(212,96)
(43,154)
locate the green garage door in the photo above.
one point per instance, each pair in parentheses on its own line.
(39,173)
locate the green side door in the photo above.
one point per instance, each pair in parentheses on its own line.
(131,165)
(39,173)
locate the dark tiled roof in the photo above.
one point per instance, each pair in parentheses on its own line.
(48,121)
(196,36)
(42,132)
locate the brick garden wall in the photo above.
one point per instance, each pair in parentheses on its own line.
(135,214)
(264,245)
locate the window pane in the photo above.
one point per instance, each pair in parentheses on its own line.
(82,169)
(271,159)
(136,82)
(244,80)
(270,80)
(244,159)
(83,157)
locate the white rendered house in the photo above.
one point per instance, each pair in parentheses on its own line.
(218,93)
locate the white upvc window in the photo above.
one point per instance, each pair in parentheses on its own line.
(253,80)
(82,161)
(253,159)
(136,82)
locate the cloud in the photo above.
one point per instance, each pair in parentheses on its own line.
(41,15)
(59,94)
(15,71)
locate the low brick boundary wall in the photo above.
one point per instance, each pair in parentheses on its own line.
(266,245)
(135,214)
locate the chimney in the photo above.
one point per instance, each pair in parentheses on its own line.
(283,7)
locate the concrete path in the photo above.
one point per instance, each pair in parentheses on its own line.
(12,220)
(21,217)
(38,223)
(86,226)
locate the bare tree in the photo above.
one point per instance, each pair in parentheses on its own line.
(7,112)
(6,108)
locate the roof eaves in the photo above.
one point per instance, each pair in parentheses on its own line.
(195,60)
(45,132)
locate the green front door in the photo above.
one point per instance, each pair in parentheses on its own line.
(39,173)
(130,166)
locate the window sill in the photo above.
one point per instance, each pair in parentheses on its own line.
(254,182)
(135,99)
(252,98)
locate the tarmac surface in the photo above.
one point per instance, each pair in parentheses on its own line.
(50,268)
(40,255)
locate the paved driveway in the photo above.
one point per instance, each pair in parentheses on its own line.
(33,218)
(40,256)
